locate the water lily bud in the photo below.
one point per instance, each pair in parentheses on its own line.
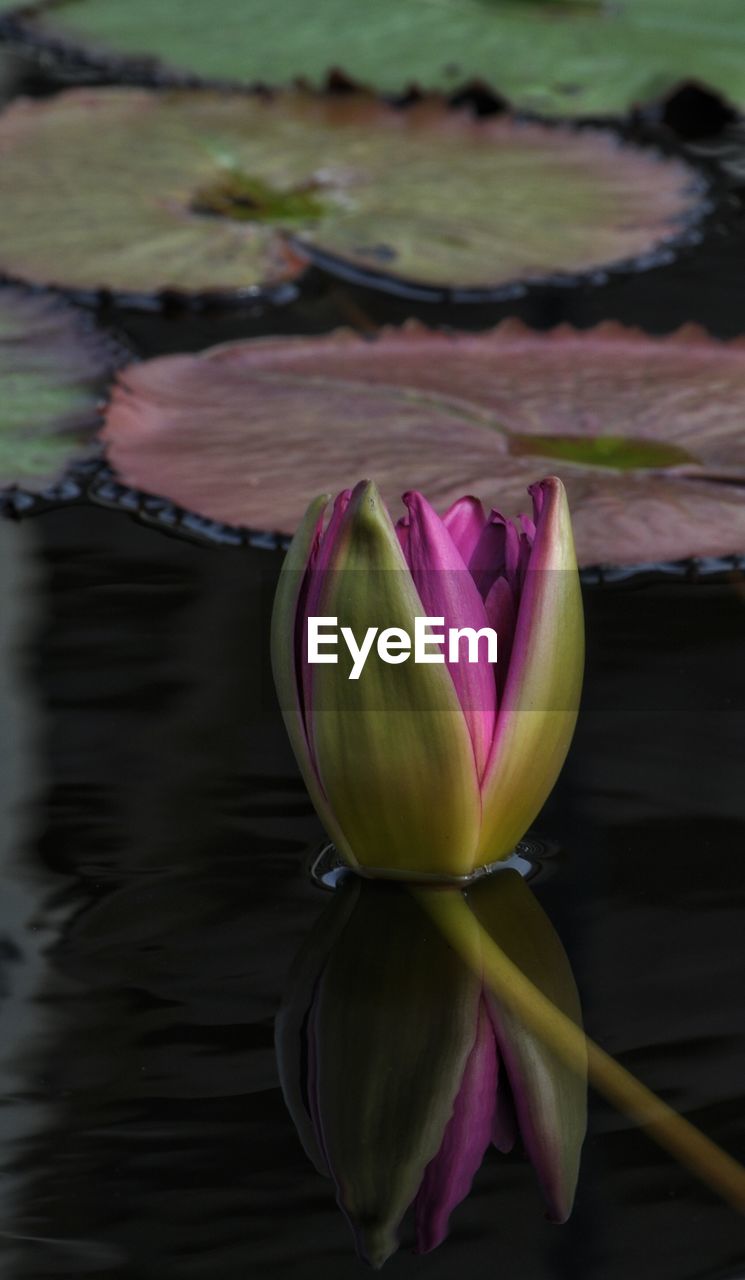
(400,1067)
(436,764)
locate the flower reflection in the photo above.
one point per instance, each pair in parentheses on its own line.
(400,1068)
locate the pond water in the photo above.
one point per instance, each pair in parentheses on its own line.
(155,837)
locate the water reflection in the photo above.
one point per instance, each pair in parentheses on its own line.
(400,1067)
(154,828)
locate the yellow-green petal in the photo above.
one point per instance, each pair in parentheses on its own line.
(284,662)
(392,747)
(541,698)
(550,1097)
(392,1026)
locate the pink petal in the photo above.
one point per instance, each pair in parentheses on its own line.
(538,495)
(545,495)
(319,563)
(447,590)
(529,525)
(501,610)
(496,553)
(465,521)
(525,549)
(448,1177)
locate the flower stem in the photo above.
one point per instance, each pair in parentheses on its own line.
(720,1171)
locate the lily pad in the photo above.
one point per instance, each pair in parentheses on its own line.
(52,370)
(131,190)
(555,56)
(645,432)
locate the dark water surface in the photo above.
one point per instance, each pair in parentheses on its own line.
(154,833)
(154,836)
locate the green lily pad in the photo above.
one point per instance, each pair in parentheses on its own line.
(198,191)
(249,432)
(53,367)
(555,56)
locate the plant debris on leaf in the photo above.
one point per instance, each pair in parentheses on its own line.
(645,432)
(554,56)
(53,366)
(131,190)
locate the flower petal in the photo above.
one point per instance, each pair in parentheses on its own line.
(448,1178)
(318,562)
(393,748)
(464,521)
(317,565)
(394,1023)
(446,589)
(501,613)
(541,696)
(550,1098)
(295,1051)
(402,532)
(289,604)
(496,554)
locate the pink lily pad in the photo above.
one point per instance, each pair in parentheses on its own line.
(203,191)
(645,432)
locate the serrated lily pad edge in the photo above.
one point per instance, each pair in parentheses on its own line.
(164,301)
(711,192)
(98,66)
(93,482)
(108,490)
(90,480)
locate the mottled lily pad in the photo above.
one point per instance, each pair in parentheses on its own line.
(554,56)
(52,370)
(645,432)
(134,191)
